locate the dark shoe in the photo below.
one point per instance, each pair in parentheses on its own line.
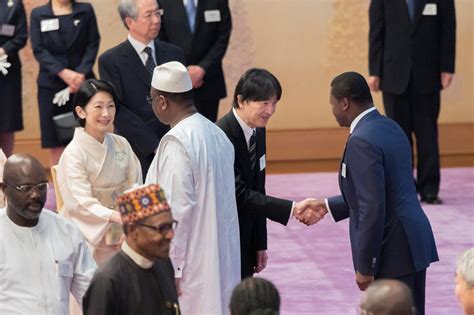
(431,199)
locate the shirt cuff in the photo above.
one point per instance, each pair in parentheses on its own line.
(329,209)
(292,210)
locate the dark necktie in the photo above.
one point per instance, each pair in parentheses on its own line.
(411,8)
(252,150)
(191,11)
(150,63)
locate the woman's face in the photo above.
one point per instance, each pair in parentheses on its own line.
(99,113)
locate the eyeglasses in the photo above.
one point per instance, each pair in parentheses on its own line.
(27,189)
(150,99)
(158,13)
(163,229)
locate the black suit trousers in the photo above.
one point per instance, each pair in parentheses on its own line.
(418,114)
(416,282)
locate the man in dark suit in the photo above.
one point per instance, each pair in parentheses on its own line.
(390,234)
(255,99)
(411,58)
(202,28)
(13,37)
(129,67)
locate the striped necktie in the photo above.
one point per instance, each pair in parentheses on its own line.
(150,63)
(252,149)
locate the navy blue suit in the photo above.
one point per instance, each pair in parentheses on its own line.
(73,46)
(390,234)
(135,119)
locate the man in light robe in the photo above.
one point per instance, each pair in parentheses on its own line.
(3,159)
(194,164)
(138,279)
(43,257)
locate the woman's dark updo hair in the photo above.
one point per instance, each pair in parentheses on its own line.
(255,296)
(87,91)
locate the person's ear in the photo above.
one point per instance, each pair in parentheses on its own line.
(80,112)
(345,103)
(163,102)
(240,100)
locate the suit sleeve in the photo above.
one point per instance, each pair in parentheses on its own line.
(366,171)
(338,208)
(18,41)
(376,36)
(93,41)
(136,128)
(44,57)
(448,36)
(100,297)
(217,51)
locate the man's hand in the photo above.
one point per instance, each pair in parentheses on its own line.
(177,282)
(72,78)
(197,76)
(310,211)
(363,281)
(446,79)
(374,82)
(262,259)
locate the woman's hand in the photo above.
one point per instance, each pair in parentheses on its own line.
(72,78)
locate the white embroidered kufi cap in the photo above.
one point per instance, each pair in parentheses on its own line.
(171,77)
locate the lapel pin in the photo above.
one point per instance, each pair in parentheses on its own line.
(10,3)
(76,22)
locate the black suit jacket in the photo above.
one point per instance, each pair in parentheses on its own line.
(54,55)
(206,46)
(10,85)
(253,205)
(135,119)
(400,50)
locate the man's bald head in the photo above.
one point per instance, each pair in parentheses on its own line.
(25,186)
(19,165)
(387,297)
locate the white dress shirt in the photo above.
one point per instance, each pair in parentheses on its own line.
(139,48)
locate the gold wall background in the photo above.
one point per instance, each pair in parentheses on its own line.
(305,43)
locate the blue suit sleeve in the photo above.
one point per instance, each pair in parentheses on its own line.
(365,169)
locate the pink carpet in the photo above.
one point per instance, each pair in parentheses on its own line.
(312,266)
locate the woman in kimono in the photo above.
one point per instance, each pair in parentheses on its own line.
(65,40)
(13,37)
(95,167)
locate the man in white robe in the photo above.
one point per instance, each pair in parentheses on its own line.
(194,165)
(43,257)
(3,159)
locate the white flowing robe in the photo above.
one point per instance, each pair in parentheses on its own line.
(3,159)
(194,165)
(41,265)
(90,175)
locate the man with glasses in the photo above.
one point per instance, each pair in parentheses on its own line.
(139,279)
(194,164)
(129,67)
(43,257)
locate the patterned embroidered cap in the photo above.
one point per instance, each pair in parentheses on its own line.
(142,202)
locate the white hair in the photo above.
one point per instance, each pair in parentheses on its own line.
(465,266)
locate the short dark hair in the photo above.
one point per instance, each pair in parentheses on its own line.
(257,85)
(87,91)
(255,296)
(353,86)
(185,98)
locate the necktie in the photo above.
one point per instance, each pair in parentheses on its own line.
(191,11)
(150,63)
(411,8)
(252,149)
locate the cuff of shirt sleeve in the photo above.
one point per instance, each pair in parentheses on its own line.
(292,210)
(329,209)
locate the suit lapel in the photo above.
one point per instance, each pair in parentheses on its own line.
(134,63)
(6,12)
(420,5)
(199,14)
(240,143)
(78,24)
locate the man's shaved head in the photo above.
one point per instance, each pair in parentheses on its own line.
(25,188)
(387,297)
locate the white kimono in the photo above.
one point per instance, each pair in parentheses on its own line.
(194,165)
(41,265)
(90,175)
(3,159)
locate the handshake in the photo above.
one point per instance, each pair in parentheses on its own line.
(310,211)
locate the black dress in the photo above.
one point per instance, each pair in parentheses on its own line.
(11,118)
(122,287)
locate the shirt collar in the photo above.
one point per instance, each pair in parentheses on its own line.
(139,46)
(358,118)
(136,257)
(245,128)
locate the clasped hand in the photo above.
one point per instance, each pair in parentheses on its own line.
(310,211)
